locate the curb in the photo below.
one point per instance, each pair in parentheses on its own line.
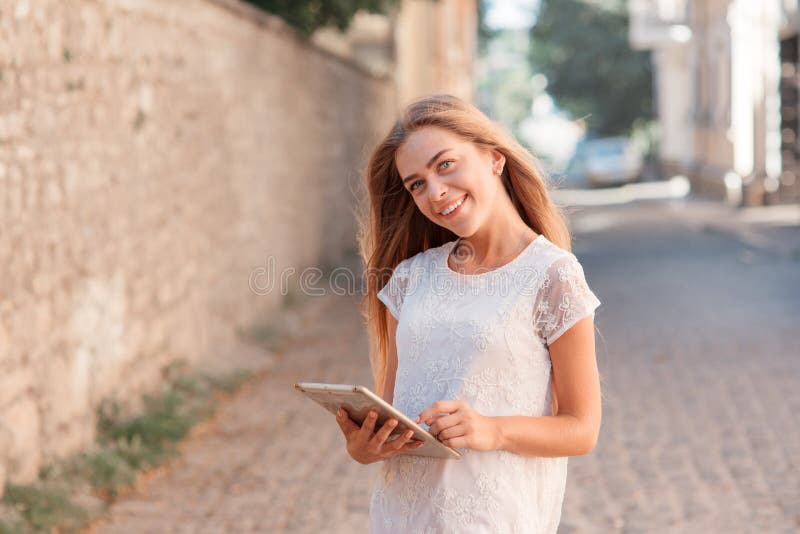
(742,224)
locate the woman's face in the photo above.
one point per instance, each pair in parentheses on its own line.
(441,170)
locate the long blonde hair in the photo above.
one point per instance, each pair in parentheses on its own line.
(394,229)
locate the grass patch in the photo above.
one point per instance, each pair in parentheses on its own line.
(12,528)
(230,383)
(45,508)
(271,337)
(126,446)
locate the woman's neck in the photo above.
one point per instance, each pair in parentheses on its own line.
(498,249)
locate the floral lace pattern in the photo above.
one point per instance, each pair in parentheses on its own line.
(563,299)
(482,339)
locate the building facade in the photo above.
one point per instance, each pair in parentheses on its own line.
(426,46)
(726,90)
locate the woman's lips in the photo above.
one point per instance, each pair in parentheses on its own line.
(457,210)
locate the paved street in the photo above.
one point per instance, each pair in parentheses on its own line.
(698,346)
(700,357)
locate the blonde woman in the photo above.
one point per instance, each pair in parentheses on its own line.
(484,330)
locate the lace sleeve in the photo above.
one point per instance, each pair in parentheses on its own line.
(393,293)
(563,299)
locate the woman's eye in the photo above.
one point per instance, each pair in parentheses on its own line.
(441,165)
(413,184)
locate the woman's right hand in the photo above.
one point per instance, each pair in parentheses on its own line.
(367,446)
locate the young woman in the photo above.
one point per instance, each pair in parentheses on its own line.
(484,331)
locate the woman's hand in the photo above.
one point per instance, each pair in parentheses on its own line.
(462,426)
(366,446)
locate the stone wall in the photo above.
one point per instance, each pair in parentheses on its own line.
(153,154)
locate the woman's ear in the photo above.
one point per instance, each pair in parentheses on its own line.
(498,159)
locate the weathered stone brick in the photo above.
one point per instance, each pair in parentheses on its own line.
(152,157)
(21,419)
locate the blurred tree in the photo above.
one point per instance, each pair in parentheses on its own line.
(505,84)
(485,33)
(582,47)
(308,15)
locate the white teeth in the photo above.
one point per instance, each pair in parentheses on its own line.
(452,207)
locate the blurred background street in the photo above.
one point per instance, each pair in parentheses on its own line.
(179,188)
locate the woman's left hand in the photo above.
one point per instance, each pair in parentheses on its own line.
(462,426)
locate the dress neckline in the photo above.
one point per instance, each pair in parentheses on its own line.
(448,248)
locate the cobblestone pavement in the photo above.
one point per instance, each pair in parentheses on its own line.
(271,461)
(699,354)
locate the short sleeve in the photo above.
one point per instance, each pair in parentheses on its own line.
(563,299)
(394,292)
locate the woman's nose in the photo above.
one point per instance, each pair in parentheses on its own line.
(437,190)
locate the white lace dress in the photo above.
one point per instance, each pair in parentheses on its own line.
(480,338)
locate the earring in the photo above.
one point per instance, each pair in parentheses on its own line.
(499,172)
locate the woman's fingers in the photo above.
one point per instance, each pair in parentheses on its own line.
(400,441)
(368,426)
(445,421)
(369,445)
(451,432)
(345,423)
(385,431)
(410,446)
(444,407)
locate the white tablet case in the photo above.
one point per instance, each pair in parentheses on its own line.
(358,400)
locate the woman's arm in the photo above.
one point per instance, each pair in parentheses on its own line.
(571,432)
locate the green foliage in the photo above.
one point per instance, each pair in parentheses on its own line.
(485,33)
(45,507)
(582,47)
(75,86)
(146,440)
(108,470)
(126,445)
(510,93)
(12,528)
(269,336)
(308,15)
(230,383)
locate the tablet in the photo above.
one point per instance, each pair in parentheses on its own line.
(358,400)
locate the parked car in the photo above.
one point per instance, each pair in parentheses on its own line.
(606,161)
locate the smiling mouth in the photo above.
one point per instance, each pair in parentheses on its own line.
(454,208)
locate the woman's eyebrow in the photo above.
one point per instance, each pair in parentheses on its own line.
(428,166)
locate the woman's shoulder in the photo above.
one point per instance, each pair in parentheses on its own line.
(424,258)
(546,253)
(415,265)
